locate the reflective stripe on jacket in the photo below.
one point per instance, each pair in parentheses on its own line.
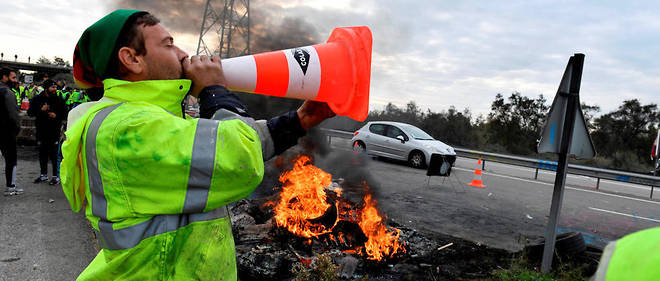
(77,97)
(18,94)
(634,257)
(157,184)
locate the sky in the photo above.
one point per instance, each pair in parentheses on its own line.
(435,53)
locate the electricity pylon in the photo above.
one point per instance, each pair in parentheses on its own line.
(230,19)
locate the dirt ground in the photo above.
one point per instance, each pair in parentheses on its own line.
(464,260)
(274,252)
(41,238)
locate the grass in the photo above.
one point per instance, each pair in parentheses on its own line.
(521,270)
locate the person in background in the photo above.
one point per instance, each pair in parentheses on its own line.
(50,112)
(18,90)
(9,128)
(76,98)
(32,90)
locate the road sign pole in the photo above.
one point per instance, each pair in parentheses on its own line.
(560,178)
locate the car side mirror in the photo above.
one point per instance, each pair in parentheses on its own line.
(401,138)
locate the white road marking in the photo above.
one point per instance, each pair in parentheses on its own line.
(622,214)
(579,177)
(567,187)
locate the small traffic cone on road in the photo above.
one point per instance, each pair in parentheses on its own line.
(476,181)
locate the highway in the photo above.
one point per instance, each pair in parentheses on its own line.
(44,240)
(513,208)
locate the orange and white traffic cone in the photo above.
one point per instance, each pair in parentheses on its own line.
(476,181)
(337,72)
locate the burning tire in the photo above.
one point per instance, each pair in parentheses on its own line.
(417,159)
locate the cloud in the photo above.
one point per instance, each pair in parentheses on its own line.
(45,28)
(437,53)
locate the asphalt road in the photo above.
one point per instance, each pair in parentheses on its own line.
(513,208)
(40,240)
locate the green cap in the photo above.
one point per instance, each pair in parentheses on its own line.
(95,47)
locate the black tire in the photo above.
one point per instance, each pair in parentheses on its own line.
(359,146)
(416,159)
(570,244)
(566,245)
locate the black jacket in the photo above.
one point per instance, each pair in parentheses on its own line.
(48,128)
(284,129)
(9,121)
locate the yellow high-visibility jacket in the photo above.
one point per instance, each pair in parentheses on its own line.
(157,183)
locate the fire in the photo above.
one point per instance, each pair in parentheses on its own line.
(303,198)
(382,242)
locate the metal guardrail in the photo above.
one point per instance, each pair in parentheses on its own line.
(50,68)
(337,133)
(539,164)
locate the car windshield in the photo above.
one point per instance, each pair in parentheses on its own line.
(417,133)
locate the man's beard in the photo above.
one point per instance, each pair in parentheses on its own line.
(162,71)
(12,85)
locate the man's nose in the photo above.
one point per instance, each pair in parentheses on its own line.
(180,53)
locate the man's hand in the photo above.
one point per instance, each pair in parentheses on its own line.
(204,72)
(311,113)
(52,115)
(44,107)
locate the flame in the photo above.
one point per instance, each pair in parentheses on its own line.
(303,198)
(381,242)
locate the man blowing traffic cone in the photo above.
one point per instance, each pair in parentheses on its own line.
(157,182)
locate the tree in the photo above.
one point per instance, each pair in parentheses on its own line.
(515,125)
(632,127)
(43,60)
(451,126)
(59,61)
(589,112)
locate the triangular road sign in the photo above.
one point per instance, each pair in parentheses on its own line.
(581,144)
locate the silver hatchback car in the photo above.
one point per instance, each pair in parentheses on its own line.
(399,141)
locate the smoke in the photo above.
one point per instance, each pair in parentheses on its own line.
(176,15)
(273,33)
(269,29)
(273,27)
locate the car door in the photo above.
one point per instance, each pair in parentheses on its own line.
(395,146)
(375,140)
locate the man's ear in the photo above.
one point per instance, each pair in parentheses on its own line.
(130,62)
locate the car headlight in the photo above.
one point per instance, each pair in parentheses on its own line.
(430,148)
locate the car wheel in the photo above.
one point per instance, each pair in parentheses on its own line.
(359,146)
(416,159)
